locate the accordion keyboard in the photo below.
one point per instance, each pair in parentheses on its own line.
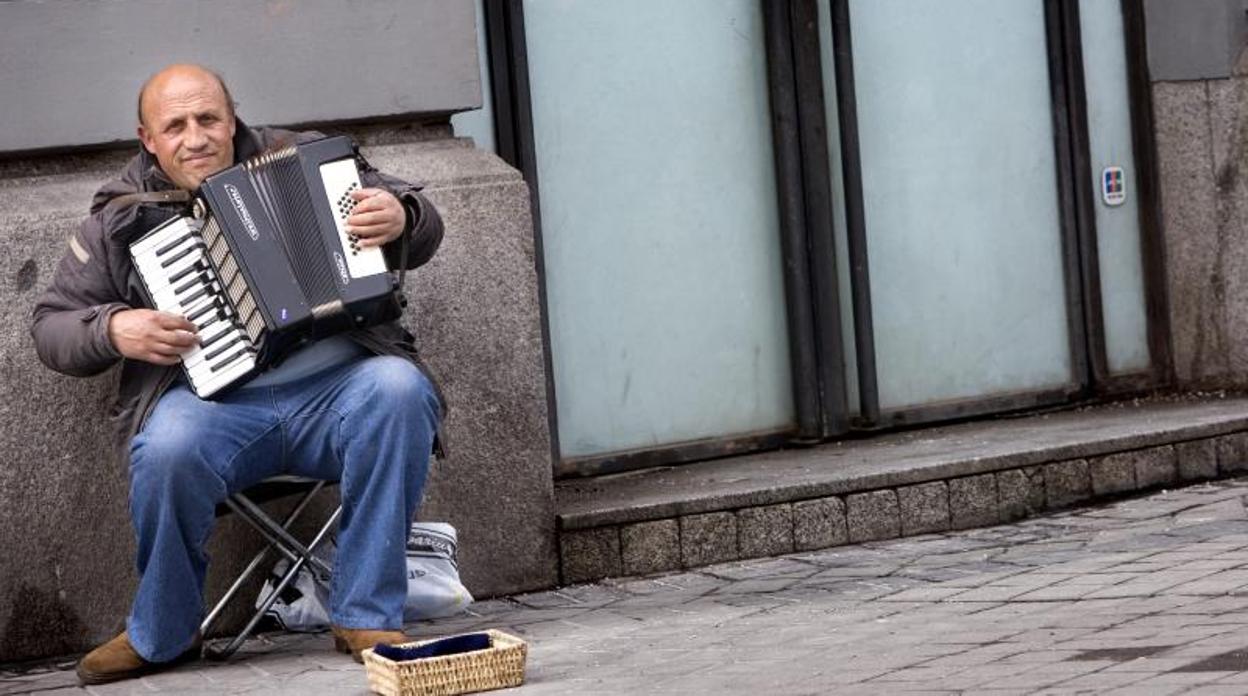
(176,266)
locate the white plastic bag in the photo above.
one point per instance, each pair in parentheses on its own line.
(433,586)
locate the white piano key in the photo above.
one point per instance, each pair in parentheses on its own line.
(172,230)
(196,355)
(209,386)
(199,356)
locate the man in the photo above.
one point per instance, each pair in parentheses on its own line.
(354,408)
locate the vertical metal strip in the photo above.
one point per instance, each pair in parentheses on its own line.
(1067,203)
(855,215)
(513,113)
(1080,179)
(788,164)
(1152,242)
(817,189)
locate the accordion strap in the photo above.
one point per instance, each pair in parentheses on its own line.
(403,267)
(175,196)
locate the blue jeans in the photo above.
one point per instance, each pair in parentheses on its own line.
(368,424)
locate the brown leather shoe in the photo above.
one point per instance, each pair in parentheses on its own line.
(117,660)
(356,640)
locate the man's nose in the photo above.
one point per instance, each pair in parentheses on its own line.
(194,138)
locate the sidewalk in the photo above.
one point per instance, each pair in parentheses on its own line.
(1143,596)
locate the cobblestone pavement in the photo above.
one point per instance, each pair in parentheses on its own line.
(1142,596)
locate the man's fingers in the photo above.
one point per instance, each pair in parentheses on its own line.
(180,338)
(361,194)
(360,220)
(173,322)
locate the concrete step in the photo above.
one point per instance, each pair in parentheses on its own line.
(898,484)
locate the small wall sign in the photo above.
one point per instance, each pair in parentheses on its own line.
(1113,186)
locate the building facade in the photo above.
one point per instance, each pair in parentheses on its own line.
(676,232)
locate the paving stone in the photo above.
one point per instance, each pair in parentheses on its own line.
(1001,613)
(650,547)
(924,508)
(1067,483)
(872,516)
(973,501)
(1232,454)
(765,531)
(1197,459)
(1156,467)
(1113,473)
(1020,492)
(819,524)
(708,538)
(590,554)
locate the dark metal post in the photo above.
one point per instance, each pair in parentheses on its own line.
(855,215)
(817,189)
(1067,203)
(1079,180)
(788,153)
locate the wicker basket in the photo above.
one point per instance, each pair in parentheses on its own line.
(499,666)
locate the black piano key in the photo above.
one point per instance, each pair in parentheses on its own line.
(200,279)
(180,255)
(200,312)
(197,266)
(226,362)
(202,292)
(211,320)
(209,357)
(174,244)
(220,335)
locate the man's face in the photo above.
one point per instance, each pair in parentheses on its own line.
(188,126)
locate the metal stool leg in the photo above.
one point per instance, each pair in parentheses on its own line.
(215,613)
(237,642)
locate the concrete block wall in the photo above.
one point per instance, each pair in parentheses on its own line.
(1201,129)
(66,574)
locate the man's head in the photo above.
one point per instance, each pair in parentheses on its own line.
(186,119)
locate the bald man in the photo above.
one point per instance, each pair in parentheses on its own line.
(357,408)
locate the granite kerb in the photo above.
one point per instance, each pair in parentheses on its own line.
(815,481)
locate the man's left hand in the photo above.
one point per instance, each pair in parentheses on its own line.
(378,217)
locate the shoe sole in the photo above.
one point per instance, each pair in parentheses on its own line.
(97,678)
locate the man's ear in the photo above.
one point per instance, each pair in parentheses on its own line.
(146,138)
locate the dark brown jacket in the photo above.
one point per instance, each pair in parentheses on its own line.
(96,279)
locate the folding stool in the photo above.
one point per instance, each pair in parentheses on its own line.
(279,538)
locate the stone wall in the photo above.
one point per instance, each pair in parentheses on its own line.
(1202,147)
(67,571)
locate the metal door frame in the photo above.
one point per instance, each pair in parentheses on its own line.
(803,183)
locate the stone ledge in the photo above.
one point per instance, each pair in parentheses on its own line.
(763,505)
(901,459)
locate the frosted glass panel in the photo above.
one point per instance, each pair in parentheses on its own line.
(959,175)
(1117,228)
(659,221)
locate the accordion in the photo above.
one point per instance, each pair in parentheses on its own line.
(264,263)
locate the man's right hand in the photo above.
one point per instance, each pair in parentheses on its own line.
(151,336)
